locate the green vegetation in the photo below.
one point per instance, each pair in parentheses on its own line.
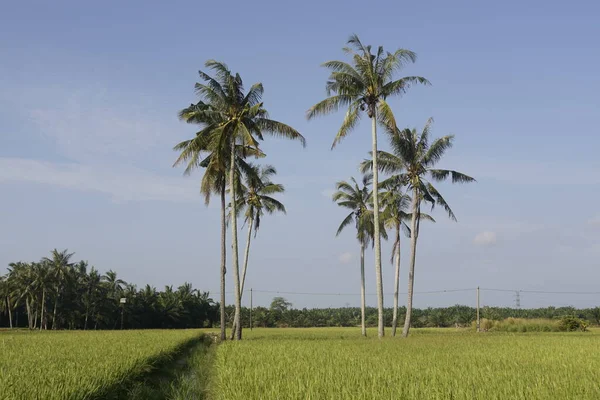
(564,324)
(83,365)
(56,293)
(434,364)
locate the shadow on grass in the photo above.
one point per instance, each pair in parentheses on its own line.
(182,374)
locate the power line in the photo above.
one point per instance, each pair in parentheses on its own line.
(348,294)
(538,291)
(422,292)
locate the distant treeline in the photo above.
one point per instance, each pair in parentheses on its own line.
(57,293)
(457,315)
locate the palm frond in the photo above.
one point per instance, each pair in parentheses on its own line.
(350,121)
(457,177)
(385,116)
(329,105)
(440,200)
(280,129)
(347,221)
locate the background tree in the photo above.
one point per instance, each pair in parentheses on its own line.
(256,199)
(59,263)
(413,153)
(359,200)
(365,85)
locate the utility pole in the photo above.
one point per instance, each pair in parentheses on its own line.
(122,301)
(478,322)
(250,308)
(518,299)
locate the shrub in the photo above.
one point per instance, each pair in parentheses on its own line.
(572,324)
(521,325)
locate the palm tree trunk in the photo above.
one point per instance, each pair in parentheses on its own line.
(377,238)
(223,261)
(9,312)
(363,327)
(54,313)
(245,267)
(234,242)
(414,234)
(28,308)
(42,312)
(396,280)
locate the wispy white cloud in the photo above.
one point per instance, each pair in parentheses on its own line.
(485,238)
(121,184)
(346,257)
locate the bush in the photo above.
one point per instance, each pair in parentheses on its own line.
(572,324)
(520,325)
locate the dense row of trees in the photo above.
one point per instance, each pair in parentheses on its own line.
(58,293)
(281,314)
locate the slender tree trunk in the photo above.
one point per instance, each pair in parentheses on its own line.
(55,306)
(86,320)
(42,312)
(234,243)
(363,327)
(414,234)
(377,238)
(244,269)
(396,280)
(27,308)
(223,261)
(9,312)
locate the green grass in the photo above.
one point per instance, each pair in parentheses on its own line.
(432,364)
(81,365)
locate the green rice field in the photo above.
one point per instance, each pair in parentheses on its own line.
(80,365)
(432,364)
(311,363)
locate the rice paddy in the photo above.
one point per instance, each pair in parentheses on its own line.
(309,363)
(432,364)
(81,365)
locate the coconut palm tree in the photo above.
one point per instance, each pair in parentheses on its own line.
(359,200)
(5,298)
(412,158)
(395,215)
(60,263)
(230,117)
(214,178)
(365,85)
(255,200)
(92,283)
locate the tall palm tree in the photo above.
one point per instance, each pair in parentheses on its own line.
(359,200)
(365,85)
(396,213)
(59,262)
(5,298)
(92,283)
(413,158)
(256,199)
(232,117)
(213,181)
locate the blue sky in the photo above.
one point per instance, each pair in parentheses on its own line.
(89,94)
